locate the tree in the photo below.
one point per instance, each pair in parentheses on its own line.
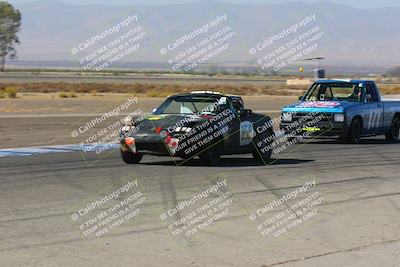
(10,22)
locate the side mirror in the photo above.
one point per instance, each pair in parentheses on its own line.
(300,97)
(154,110)
(242,112)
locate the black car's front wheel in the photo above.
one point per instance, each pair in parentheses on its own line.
(263,153)
(393,134)
(131,158)
(211,156)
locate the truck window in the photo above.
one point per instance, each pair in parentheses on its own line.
(371,90)
(334,92)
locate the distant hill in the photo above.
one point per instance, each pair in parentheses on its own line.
(352,36)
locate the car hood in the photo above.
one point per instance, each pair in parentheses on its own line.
(168,121)
(320,106)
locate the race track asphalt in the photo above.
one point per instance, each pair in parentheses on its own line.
(357,224)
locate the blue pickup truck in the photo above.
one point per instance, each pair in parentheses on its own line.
(347,109)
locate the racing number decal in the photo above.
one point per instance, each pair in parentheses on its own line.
(246,130)
(374,118)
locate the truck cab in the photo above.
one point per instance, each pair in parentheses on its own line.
(347,109)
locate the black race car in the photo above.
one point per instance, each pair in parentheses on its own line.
(203,124)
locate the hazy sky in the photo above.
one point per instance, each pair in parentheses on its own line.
(353,3)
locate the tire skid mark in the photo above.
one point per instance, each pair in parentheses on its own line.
(188,240)
(278,196)
(165,200)
(333,252)
(76,240)
(271,189)
(320,184)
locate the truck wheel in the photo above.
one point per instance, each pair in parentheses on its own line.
(211,156)
(355,131)
(131,158)
(258,153)
(393,134)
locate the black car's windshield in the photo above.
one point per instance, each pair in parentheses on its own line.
(193,105)
(335,92)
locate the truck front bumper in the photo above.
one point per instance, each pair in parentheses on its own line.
(320,129)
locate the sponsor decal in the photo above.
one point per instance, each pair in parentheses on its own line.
(311,129)
(246,130)
(318,104)
(154,118)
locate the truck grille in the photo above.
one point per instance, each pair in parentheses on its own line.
(307,117)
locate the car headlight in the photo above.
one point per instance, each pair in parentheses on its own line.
(287,117)
(338,117)
(128,120)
